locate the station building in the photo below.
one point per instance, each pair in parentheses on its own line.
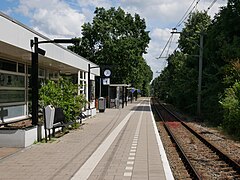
(15,68)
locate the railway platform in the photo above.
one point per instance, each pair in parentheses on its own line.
(117,144)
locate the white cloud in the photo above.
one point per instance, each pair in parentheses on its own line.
(54,18)
(161,34)
(159,38)
(64,18)
(95,3)
(161,16)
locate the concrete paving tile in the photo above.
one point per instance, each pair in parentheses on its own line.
(76,147)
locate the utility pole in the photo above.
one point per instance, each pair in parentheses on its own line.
(200,75)
(199,92)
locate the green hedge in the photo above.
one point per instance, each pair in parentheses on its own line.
(231,106)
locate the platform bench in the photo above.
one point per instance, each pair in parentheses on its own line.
(58,122)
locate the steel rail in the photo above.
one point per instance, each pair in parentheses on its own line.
(189,167)
(232,163)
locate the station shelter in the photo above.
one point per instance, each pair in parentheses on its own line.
(118,95)
(15,68)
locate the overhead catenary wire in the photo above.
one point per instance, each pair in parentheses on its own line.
(185,16)
(169,45)
(190,12)
(211,5)
(165,47)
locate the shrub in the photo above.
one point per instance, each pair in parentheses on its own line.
(231,106)
(63,94)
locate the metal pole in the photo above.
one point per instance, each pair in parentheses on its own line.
(126,95)
(122,96)
(200,76)
(34,75)
(100,88)
(89,86)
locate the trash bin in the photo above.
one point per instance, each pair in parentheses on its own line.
(101,104)
(49,116)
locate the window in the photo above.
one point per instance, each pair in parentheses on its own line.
(10,96)
(12,80)
(12,88)
(21,68)
(8,65)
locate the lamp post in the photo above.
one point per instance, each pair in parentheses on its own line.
(34,74)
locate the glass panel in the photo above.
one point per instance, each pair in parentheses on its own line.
(50,75)
(14,111)
(10,80)
(41,72)
(92,90)
(81,74)
(9,96)
(29,82)
(21,68)
(8,65)
(29,69)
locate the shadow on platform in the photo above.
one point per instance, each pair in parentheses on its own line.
(141,108)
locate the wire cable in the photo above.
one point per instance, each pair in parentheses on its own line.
(170,42)
(180,21)
(165,47)
(211,5)
(179,24)
(186,14)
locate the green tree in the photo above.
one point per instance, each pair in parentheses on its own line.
(221,50)
(197,23)
(178,81)
(63,94)
(221,67)
(119,40)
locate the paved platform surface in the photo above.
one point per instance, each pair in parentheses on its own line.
(117,144)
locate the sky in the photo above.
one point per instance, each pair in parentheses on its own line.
(64,18)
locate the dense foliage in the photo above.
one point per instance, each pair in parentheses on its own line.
(118,40)
(63,94)
(177,83)
(179,80)
(231,106)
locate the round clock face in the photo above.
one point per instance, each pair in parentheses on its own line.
(107,73)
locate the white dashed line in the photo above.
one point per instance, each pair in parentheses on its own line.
(129,168)
(130,162)
(128,174)
(131,158)
(133,150)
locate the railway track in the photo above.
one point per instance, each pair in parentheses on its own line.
(201,159)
